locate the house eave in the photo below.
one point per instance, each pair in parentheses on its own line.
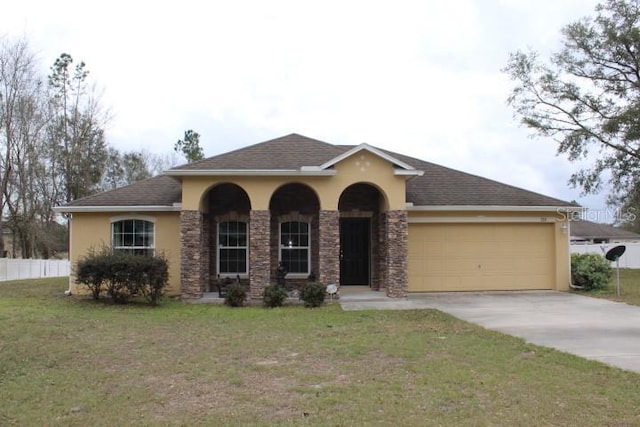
(410,173)
(133,208)
(492,208)
(251,172)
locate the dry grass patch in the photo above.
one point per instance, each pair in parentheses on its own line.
(67,361)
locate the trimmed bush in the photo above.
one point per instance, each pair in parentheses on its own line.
(274,296)
(313,294)
(236,295)
(122,275)
(590,271)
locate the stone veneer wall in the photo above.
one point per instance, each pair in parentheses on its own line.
(259,253)
(193,272)
(396,241)
(329,247)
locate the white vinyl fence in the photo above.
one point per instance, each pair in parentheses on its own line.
(16,269)
(630,259)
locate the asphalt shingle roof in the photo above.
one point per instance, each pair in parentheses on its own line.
(437,187)
(161,190)
(593,230)
(442,186)
(288,152)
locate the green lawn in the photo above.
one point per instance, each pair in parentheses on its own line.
(629,287)
(69,361)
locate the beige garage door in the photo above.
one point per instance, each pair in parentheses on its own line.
(470,257)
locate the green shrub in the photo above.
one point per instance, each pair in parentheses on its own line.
(274,296)
(152,278)
(122,275)
(236,295)
(590,271)
(313,294)
(91,272)
(120,285)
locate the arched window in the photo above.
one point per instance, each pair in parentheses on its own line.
(294,246)
(133,235)
(232,247)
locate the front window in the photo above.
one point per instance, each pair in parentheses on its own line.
(133,236)
(232,247)
(294,246)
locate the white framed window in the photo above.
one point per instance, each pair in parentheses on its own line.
(233,253)
(136,236)
(295,247)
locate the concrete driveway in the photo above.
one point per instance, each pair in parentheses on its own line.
(589,327)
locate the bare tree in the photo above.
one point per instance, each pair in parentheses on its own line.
(31,198)
(124,169)
(52,147)
(20,125)
(159,163)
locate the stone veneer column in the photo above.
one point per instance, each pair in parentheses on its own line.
(329,248)
(381,263)
(396,251)
(206,253)
(192,275)
(259,250)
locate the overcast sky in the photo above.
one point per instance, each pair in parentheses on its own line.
(418,77)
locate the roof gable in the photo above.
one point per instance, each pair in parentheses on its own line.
(366,147)
(293,154)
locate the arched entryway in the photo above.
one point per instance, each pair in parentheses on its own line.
(360,209)
(226,224)
(294,232)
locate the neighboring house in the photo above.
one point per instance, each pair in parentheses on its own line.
(353,215)
(592,232)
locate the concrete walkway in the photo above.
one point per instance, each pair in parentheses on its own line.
(588,327)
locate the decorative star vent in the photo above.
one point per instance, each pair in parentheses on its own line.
(363,163)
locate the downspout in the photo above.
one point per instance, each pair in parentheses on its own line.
(69,227)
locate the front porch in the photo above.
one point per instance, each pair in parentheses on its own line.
(360,243)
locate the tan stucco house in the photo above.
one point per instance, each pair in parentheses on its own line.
(353,215)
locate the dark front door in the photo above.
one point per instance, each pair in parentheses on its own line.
(355,235)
